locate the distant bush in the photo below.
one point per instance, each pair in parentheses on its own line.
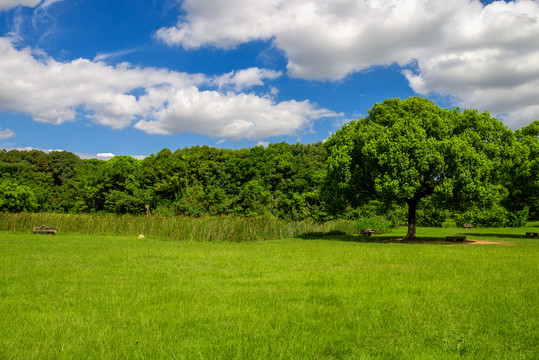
(517,218)
(15,197)
(449,223)
(496,216)
(431,215)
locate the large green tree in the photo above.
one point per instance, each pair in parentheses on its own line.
(407,150)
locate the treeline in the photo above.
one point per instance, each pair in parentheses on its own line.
(281,180)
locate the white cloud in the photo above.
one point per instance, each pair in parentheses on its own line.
(6,134)
(8,4)
(483,56)
(167,102)
(114,54)
(46,3)
(230,115)
(263,144)
(104,156)
(53,92)
(242,79)
(322,39)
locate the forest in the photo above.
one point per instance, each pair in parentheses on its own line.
(282,180)
(286,181)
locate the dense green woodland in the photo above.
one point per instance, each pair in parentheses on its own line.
(282,180)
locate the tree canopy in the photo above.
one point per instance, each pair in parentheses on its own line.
(281,180)
(407,150)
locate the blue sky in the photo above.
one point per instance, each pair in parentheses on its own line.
(99,78)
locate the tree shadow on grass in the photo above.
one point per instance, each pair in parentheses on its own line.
(494,235)
(385,239)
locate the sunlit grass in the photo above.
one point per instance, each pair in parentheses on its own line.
(79,296)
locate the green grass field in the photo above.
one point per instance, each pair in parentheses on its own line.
(71,296)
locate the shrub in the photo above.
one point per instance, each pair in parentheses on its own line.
(379,225)
(15,197)
(496,216)
(517,218)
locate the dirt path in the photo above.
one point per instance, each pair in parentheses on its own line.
(488,242)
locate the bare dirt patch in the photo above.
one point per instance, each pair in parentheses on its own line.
(488,242)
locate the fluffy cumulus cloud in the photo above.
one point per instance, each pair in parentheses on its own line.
(246,78)
(8,4)
(484,57)
(231,116)
(6,134)
(105,156)
(157,101)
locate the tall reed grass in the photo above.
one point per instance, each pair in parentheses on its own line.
(221,228)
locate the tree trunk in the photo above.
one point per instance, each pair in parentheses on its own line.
(412,207)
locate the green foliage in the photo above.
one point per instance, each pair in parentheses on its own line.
(408,150)
(522,180)
(254,198)
(380,226)
(15,197)
(282,180)
(61,165)
(494,216)
(431,214)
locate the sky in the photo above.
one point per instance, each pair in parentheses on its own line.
(130,77)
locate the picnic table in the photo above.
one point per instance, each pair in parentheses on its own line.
(468,226)
(43,229)
(367,232)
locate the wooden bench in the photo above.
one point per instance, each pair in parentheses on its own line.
(468,226)
(455,238)
(367,232)
(45,229)
(532,235)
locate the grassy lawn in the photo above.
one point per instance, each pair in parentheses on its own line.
(73,296)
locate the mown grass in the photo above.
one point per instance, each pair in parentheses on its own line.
(225,228)
(329,297)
